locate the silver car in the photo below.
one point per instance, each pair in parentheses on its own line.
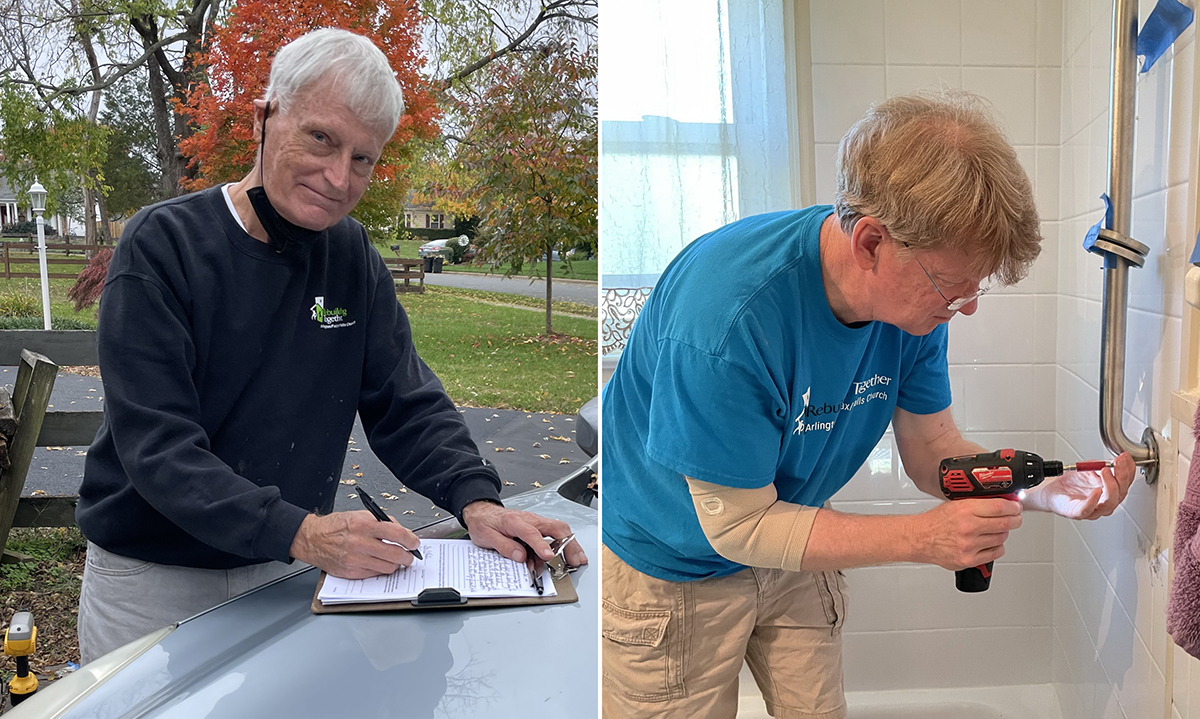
(265,654)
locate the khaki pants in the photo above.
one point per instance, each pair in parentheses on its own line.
(674,649)
(123,599)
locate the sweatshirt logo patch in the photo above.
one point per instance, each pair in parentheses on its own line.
(330,317)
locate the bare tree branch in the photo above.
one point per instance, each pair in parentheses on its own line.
(555,9)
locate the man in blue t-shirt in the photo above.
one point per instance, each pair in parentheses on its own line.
(766,364)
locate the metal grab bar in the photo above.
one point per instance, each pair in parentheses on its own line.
(1116,264)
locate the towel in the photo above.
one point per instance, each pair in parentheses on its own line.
(1183,605)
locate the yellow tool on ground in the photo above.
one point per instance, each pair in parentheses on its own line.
(20,641)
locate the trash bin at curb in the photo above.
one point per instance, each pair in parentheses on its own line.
(429,264)
(437,265)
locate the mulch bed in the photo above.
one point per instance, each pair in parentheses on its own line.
(53,598)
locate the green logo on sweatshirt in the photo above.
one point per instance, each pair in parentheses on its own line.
(330,317)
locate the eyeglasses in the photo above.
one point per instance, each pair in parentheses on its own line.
(958,303)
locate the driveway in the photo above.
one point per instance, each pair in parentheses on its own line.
(522,438)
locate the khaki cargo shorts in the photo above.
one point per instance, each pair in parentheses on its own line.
(674,649)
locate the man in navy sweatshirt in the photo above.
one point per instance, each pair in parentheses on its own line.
(241,329)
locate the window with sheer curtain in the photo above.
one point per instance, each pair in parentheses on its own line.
(694,133)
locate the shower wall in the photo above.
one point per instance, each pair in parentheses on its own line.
(1079,604)
(907,625)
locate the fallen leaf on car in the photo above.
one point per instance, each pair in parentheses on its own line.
(352,496)
(509,449)
(385,495)
(37,492)
(546,420)
(409,511)
(536,484)
(489,442)
(355,466)
(537,444)
(564,460)
(358,474)
(404,490)
(349,481)
(509,484)
(561,439)
(355,449)
(544,456)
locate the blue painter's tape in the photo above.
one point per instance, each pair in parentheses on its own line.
(1167,22)
(1089,240)
(1196,251)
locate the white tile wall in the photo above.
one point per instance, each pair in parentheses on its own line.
(1003,370)
(1025,369)
(1110,657)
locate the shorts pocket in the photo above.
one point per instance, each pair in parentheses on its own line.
(832,587)
(637,663)
(102,561)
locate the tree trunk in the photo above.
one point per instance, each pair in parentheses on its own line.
(102,232)
(169,158)
(549,291)
(89,216)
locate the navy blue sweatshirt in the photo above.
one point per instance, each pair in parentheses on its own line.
(232,375)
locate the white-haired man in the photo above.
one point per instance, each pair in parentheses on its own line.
(230,399)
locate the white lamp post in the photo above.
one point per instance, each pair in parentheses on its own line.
(37,197)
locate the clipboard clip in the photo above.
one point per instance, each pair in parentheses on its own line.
(558,564)
(439,597)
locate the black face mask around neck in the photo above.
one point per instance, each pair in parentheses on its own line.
(280,232)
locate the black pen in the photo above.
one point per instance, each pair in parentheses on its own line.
(531,558)
(383,517)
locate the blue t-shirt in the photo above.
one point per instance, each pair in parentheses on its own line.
(737,373)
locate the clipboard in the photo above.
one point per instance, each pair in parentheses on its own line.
(563,585)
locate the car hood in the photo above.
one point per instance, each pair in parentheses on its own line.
(265,654)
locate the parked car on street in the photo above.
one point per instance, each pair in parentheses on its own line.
(266,654)
(438,248)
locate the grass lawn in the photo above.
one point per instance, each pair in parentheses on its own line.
(16,294)
(489,356)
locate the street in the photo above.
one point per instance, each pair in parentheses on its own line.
(572,290)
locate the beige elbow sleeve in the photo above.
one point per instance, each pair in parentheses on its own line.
(751,526)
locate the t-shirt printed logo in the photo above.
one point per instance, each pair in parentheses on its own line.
(820,417)
(330,318)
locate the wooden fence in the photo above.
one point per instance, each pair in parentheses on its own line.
(18,256)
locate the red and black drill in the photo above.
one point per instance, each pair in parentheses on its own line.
(1002,473)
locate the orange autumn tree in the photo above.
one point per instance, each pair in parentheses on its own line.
(238,62)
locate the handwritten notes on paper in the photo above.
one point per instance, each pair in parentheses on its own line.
(473,571)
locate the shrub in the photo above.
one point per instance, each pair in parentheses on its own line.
(35,323)
(14,303)
(90,283)
(28,227)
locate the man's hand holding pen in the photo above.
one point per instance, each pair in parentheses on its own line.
(495,527)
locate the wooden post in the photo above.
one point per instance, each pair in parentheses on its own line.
(31,394)
(7,270)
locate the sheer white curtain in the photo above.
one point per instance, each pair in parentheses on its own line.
(694,134)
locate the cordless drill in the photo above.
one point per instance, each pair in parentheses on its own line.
(1002,473)
(20,640)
